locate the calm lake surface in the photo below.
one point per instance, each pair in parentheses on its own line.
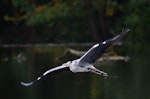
(126,80)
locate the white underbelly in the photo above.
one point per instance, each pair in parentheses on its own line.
(77,69)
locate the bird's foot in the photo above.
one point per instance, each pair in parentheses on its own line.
(99,72)
(104,74)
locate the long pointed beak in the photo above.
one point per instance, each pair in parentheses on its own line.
(99,72)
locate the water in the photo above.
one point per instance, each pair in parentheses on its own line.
(126,80)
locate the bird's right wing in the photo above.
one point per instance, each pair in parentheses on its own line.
(47,73)
(98,49)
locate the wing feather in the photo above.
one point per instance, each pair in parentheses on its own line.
(47,73)
(98,49)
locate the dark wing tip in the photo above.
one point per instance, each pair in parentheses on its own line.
(125,30)
(26,84)
(118,37)
(128,30)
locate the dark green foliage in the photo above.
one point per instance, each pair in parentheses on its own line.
(62,21)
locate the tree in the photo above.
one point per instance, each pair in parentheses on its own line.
(70,20)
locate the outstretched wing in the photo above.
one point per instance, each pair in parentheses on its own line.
(47,73)
(98,49)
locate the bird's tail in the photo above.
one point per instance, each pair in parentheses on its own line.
(47,73)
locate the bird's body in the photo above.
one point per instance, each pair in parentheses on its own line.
(85,63)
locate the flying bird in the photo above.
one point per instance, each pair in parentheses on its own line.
(84,63)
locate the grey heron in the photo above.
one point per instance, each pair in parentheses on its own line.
(84,63)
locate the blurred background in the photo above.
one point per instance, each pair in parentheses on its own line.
(35,33)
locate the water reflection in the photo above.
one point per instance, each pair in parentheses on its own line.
(127,80)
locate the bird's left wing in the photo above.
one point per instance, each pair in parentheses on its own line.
(47,73)
(98,49)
